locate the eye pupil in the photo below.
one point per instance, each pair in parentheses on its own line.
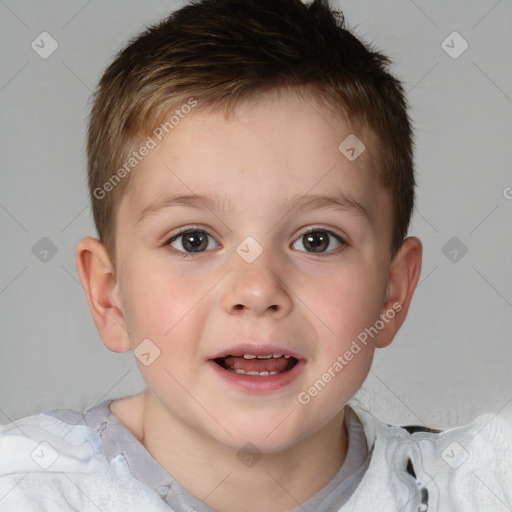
(318,240)
(194,241)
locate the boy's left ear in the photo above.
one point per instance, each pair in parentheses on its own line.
(403,278)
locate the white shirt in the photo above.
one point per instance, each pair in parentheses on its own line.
(52,464)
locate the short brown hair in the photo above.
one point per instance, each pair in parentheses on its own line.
(218,52)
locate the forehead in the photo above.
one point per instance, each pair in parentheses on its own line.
(268,153)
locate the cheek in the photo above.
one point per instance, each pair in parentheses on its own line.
(156,301)
(347,300)
(161,325)
(165,309)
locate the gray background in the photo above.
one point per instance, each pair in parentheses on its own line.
(452,358)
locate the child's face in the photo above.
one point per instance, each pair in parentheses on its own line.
(309,304)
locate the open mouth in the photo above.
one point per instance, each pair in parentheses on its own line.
(257,365)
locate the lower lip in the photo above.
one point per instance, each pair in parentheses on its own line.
(257,383)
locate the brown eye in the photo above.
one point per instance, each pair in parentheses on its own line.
(191,241)
(317,241)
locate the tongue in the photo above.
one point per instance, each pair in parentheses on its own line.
(278,364)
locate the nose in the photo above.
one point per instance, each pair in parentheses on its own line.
(258,288)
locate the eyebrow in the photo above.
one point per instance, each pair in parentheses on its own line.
(341,202)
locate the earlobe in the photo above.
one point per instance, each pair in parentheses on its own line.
(403,278)
(97,275)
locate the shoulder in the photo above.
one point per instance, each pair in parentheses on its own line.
(40,450)
(50,461)
(456,466)
(46,443)
(41,440)
(471,463)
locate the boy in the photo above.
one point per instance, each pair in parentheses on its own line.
(251,179)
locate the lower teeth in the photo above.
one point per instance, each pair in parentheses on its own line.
(262,374)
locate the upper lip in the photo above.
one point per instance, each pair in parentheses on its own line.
(255,348)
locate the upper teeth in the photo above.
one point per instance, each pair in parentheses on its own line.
(264,356)
(263,374)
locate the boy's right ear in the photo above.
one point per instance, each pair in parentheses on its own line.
(97,275)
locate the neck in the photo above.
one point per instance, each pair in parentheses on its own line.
(212,472)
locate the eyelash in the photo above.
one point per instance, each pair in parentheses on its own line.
(192,229)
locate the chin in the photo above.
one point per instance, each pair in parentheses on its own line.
(268,437)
